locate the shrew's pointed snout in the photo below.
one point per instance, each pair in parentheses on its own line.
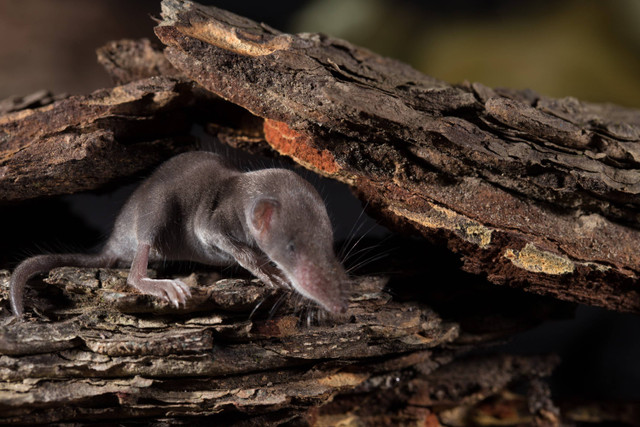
(325,284)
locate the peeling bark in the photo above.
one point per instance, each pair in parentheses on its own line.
(540,194)
(129,60)
(533,192)
(104,358)
(83,142)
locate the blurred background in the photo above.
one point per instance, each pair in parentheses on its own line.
(589,49)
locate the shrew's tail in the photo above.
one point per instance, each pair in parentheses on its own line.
(43,263)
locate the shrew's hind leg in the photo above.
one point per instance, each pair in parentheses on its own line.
(174,291)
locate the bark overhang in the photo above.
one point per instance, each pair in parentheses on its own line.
(537,193)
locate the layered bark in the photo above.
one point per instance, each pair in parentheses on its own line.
(84,142)
(111,354)
(536,193)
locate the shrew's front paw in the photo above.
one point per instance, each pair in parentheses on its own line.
(171,290)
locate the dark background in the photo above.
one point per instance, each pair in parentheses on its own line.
(589,49)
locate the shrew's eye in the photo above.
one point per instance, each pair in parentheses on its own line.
(291,248)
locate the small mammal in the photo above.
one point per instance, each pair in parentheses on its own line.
(195,207)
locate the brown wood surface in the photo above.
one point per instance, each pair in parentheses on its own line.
(86,141)
(537,193)
(107,353)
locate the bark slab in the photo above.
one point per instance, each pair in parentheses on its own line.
(537,193)
(109,354)
(85,142)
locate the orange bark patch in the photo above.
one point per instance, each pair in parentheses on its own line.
(298,146)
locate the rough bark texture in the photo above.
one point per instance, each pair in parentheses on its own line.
(83,142)
(111,354)
(537,193)
(129,60)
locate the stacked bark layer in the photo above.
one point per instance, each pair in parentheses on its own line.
(537,193)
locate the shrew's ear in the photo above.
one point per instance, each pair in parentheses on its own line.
(262,215)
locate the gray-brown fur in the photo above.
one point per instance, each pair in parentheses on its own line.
(196,207)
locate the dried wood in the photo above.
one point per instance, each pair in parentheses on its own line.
(129,60)
(84,142)
(537,193)
(111,354)
(34,100)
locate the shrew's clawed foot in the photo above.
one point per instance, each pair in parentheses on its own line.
(171,290)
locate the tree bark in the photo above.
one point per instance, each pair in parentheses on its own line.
(101,356)
(536,193)
(84,142)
